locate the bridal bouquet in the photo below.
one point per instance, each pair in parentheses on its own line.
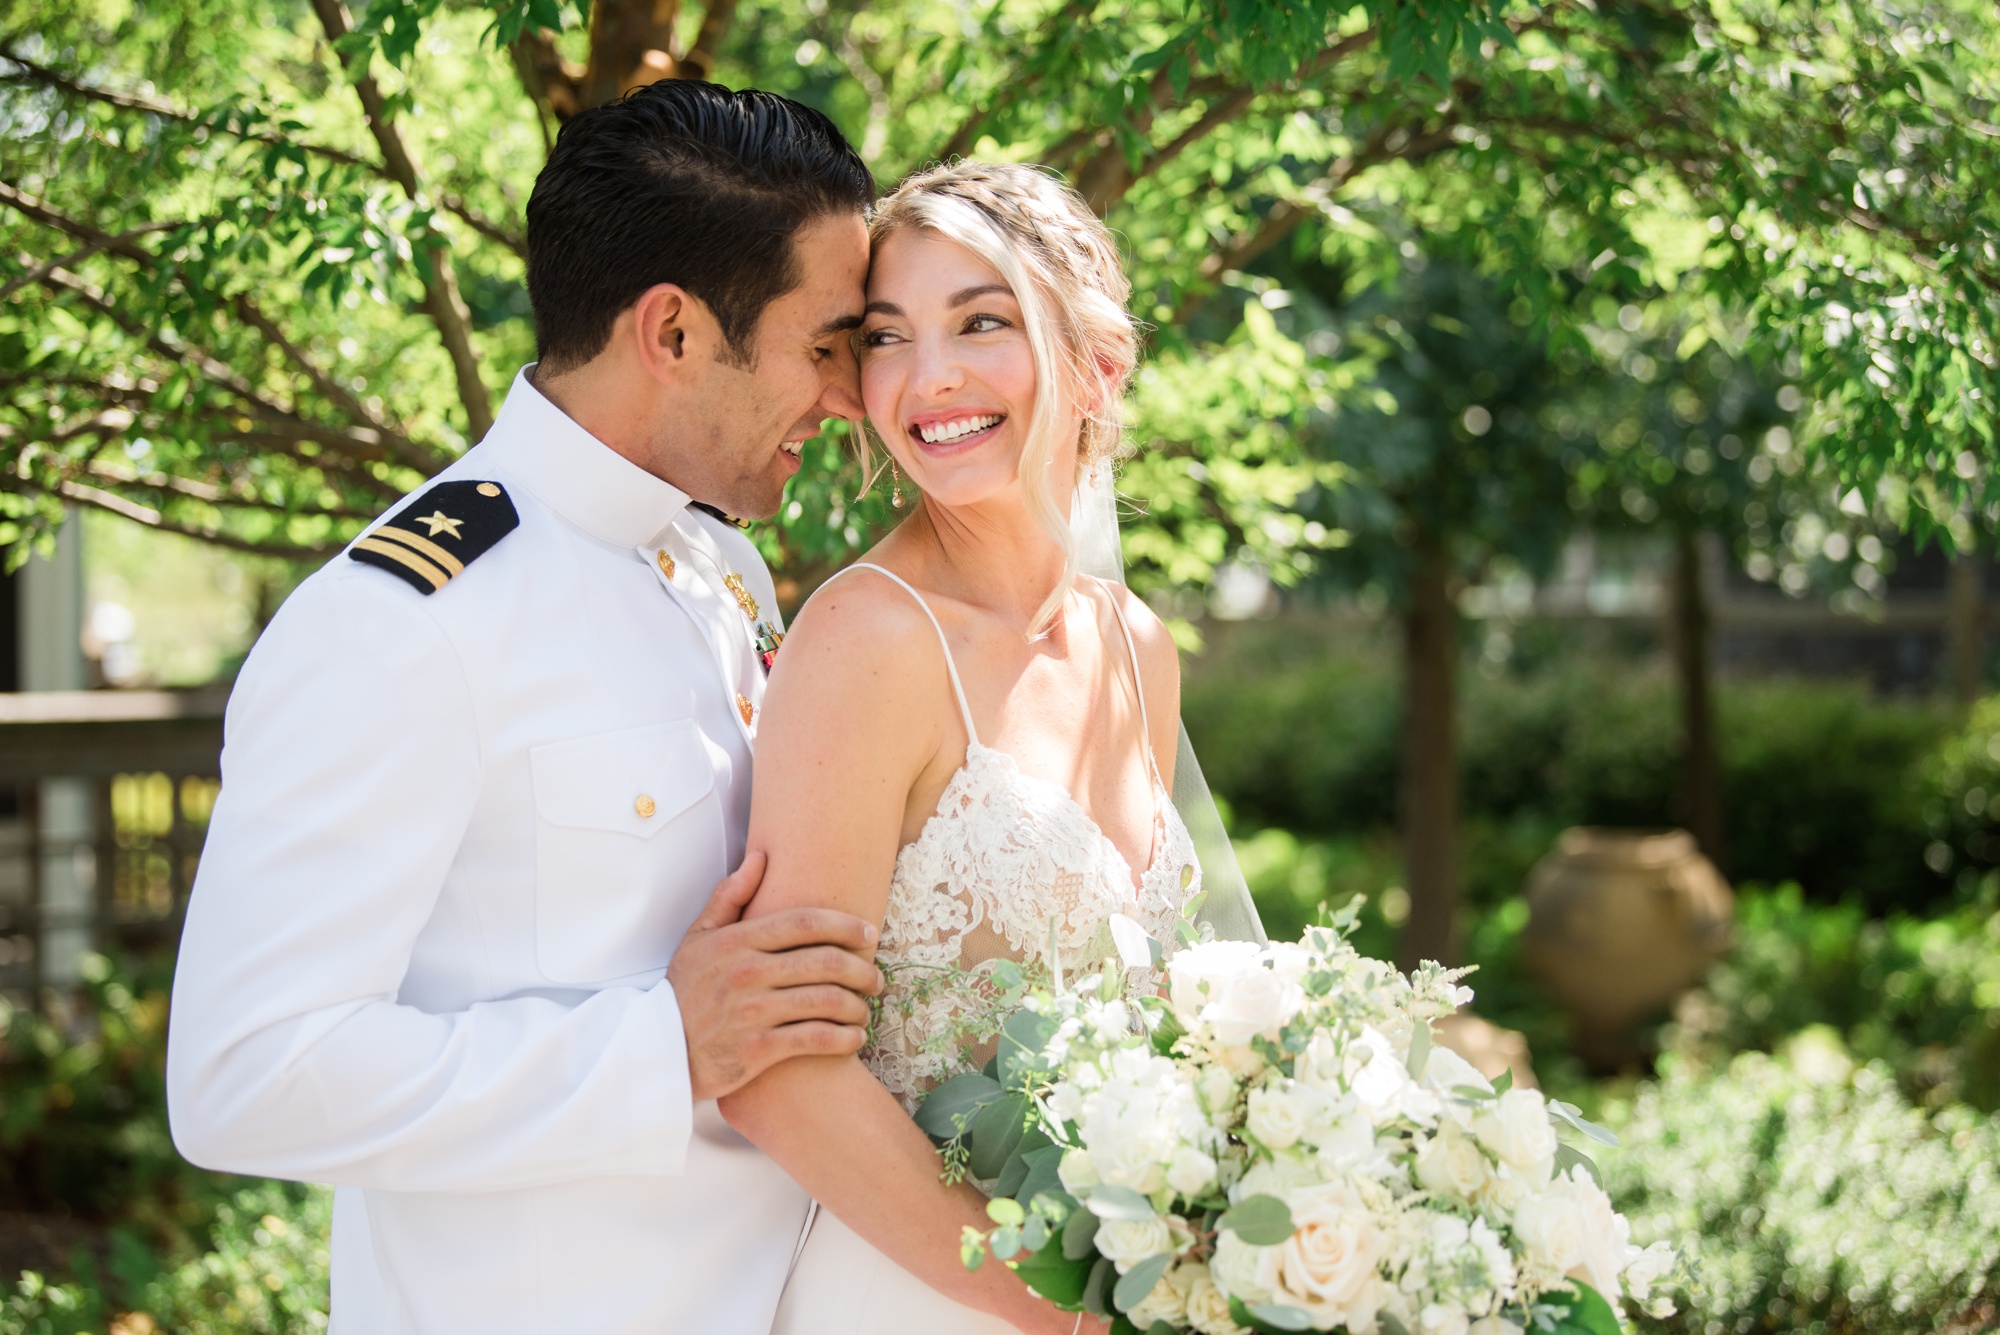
(1277,1145)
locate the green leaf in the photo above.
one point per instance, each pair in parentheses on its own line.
(996,1133)
(1079,1235)
(1588,1314)
(1572,1114)
(1095,1298)
(1504,1082)
(1050,1271)
(1262,1221)
(1022,1039)
(1005,1212)
(1420,1047)
(1043,1165)
(1123,1203)
(1569,1156)
(948,1110)
(1269,1316)
(1136,1283)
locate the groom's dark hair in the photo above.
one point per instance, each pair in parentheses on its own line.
(680,182)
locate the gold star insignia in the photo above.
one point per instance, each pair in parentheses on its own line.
(743,598)
(440,522)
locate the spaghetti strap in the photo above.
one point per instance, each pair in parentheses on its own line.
(1138,680)
(957,689)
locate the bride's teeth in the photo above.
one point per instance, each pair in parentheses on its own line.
(952,430)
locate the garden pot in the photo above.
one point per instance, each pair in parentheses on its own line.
(1620,923)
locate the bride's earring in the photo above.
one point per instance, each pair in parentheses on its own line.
(896,486)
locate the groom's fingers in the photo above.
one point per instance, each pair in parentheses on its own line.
(732,894)
(787,1006)
(812,1038)
(793,929)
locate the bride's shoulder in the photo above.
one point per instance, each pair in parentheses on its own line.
(1159,656)
(862,617)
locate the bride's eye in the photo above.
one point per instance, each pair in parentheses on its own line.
(985,324)
(876,338)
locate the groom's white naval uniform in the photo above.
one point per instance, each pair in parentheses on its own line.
(465,820)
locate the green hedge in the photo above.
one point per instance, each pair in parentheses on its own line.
(1823,784)
(1812,1196)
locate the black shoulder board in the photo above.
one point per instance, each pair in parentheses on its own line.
(436,536)
(730,520)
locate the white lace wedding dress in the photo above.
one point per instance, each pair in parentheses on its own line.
(1008,866)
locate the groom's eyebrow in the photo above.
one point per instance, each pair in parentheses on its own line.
(838,324)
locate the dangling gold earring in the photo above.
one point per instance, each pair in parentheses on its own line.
(896,486)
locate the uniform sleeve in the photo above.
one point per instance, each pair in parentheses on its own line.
(351,768)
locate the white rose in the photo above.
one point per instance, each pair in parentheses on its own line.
(1648,1268)
(1216,1089)
(1445,1070)
(1195,975)
(1494,1325)
(1256,1001)
(1274,1177)
(1075,1171)
(1443,1319)
(1126,1242)
(1192,1172)
(1330,1264)
(1605,1234)
(1207,1305)
(1550,1228)
(1516,1127)
(1243,1270)
(1277,1117)
(1167,1302)
(1452,1164)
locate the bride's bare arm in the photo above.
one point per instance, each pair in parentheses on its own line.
(858,715)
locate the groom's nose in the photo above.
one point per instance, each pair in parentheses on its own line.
(840,396)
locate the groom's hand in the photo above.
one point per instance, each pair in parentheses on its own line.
(755,993)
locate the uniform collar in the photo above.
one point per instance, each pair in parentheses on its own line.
(577,475)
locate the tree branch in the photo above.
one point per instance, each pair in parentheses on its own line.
(47,77)
(441,299)
(631,44)
(98,498)
(716,21)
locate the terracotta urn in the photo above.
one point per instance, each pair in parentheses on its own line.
(1620,923)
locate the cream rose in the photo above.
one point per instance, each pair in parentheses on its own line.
(1126,1242)
(1207,1305)
(1443,1319)
(1244,1271)
(1076,1172)
(1330,1264)
(1192,1172)
(1196,975)
(1452,1164)
(1255,1001)
(1167,1302)
(1550,1228)
(1605,1237)
(1516,1127)
(1277,1117)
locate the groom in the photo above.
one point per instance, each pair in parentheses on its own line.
(448,949)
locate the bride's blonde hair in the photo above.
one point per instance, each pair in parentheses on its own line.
(1061,262)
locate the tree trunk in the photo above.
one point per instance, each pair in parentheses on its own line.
(1429,813)
(1701,768)
(1965,636)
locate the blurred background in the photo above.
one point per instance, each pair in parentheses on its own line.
(1564,450)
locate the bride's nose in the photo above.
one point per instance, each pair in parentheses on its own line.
(937,369)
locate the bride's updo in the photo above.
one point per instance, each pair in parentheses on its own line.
(1063,265)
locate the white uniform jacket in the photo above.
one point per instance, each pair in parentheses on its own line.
(460,835)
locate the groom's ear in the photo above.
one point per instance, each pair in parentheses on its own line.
(665,319)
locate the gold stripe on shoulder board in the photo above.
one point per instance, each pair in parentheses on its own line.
(405,557)
(422,544)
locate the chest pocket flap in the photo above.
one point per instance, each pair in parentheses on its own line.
(633,781)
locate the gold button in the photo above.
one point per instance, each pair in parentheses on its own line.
(666,564)
(644,806)
(745,708)
(487,489)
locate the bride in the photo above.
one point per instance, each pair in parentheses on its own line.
(965,740)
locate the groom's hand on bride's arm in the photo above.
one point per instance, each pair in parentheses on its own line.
(755,993)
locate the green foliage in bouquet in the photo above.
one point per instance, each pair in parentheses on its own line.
(1271,1142)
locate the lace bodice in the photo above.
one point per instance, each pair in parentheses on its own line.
(1008,867)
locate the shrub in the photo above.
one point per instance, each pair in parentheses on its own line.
(1920,995)
(1811,1196)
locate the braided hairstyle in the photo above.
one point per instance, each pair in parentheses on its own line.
(1063,265)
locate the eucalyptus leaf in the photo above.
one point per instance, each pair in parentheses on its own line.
(1569,1156)
(1420,1048)
(1109,1202)
(1136,1283)
(1022,1039)
(1572,1114)
(996,1133)
(947,1112)
(1281,1317)
(1262,1221)
(1079,1235)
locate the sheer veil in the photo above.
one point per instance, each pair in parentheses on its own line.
(1228,907)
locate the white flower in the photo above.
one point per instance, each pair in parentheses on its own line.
(1647,1268)
(1383,1085)
(1216,1088)
(1274,1177)
(1277,1117)
(1167,1302)
(1065,1101)
(1195,976)
(1255,1002)
(1445,1070)
(1330,1265)
(1126,1242)
(1244,1270)
(1516,1127)
(1346,1139)
(1494,1325)
(1207,1305)
(1191,1173)
(1452,1164)
(1443,1319)
(1604,1237)
(1075,1171)
(1550,1227)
